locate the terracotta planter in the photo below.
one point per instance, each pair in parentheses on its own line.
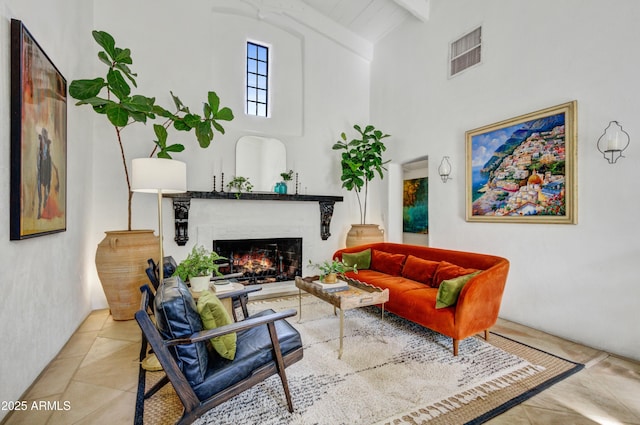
(330,278)
(121,260)
(361,234)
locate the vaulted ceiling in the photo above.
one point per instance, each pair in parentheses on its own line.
(356,24)
(371,19)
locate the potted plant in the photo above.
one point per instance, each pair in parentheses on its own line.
(198,268)
(239,184)
(111,96)
(282,186)
(331,269)
(360,162)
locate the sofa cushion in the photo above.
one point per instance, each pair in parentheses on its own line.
(385,262)
(449,290)
(362,259)
(177,317)
(419,269)
(214,315)
(447,270)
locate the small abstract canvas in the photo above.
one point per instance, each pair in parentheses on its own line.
(415,197)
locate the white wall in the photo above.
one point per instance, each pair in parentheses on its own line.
(319,89)
(45,295)
(575,281)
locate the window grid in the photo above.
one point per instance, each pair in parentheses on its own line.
(257,79)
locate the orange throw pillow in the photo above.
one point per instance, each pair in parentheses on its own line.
(447,271)
(385,262)
(419,269)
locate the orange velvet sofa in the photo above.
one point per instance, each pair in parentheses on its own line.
(413,274)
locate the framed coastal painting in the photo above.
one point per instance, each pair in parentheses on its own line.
(415,201)
(524,169)
(38,140)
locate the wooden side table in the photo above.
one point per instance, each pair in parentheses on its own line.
(237,292)
(359,294)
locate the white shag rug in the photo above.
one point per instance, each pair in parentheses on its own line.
(388,368)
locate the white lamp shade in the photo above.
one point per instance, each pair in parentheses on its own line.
(152,175)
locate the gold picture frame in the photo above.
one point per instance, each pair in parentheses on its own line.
(523,170)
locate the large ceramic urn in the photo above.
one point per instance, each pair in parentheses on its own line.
(361,234)
(121,260)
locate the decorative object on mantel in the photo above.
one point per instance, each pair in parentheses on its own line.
(444,170)
(182,203)
(617,141)
(198,268)
(361,160)
(281,187)
(123,108)
(239,184)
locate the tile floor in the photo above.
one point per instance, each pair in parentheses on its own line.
(96,373)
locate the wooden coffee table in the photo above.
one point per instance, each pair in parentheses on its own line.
(359,294)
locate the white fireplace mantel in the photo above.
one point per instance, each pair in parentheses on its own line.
(182,203)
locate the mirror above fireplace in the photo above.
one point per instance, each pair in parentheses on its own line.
(261,159)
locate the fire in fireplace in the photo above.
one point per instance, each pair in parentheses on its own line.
(257,261)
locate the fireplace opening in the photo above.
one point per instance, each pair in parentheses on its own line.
(258,261)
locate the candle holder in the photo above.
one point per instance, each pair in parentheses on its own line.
(613,142)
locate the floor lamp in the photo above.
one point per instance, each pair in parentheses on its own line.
(158,175)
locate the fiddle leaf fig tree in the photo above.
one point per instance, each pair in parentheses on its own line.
(361,160)
(112,97)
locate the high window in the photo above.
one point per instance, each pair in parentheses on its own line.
(257,80)
(466,52)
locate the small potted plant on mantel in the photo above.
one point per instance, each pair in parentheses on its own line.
(330,270)
(239,184)
(198,268)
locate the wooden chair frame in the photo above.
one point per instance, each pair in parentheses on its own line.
(193,406)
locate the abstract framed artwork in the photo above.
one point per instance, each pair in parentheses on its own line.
(524,169)
(38,199)
(415,200)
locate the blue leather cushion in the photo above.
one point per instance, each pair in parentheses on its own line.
(253,349)
(177,317)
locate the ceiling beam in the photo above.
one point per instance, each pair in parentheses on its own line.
(278,12)
(418,8)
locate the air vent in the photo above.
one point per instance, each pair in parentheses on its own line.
(466,52)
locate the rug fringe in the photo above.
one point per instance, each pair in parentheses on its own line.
(445,406)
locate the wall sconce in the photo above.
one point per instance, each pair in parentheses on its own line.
(613,142)
(444,169)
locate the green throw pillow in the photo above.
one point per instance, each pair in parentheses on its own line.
(361,259)
(214,315)
(450,289)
